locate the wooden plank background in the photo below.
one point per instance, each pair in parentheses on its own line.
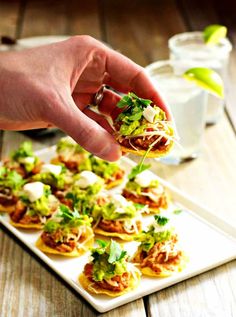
(140,30)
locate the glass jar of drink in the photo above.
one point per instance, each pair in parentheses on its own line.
(187,103)
(191,46)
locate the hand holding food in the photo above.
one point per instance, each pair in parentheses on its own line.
(53,85)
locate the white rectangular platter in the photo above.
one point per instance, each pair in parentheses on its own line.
(207,240)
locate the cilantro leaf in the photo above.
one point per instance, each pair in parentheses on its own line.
(102,243)
(68,214)
(177,211)
(132,100)
(162,221)
(140,101)
(125,101)
(139,206)
(116,253)
(137,170)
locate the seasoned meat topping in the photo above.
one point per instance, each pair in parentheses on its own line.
(145,200)
(119,174)
(158,257)
(117,226)
(53,240)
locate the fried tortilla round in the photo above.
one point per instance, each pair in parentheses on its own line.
(37,226)
(114,183)
(122,236)
(75,253)
(166,269)
(96,289)
(151,154)
(7,209)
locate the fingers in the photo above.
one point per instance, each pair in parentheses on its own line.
(85,131)
(82,100)
(125,75)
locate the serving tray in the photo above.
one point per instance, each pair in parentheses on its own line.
(206,239)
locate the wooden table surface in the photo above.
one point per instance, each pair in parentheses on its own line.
(140,30)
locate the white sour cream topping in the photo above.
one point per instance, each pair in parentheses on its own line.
(87,179)
(119,201)
(51,168)
(145,178)
(149,114)
(34,190)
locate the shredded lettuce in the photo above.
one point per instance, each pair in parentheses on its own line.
(57,181)
(133,121)
(65,145)
(109,211)
(65,219)
(24,150)
(40,206)
(10,179)
(98,166)
(150,237)
(22,153)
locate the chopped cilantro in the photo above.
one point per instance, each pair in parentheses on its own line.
(139,206)
(177,211)
(134,107)
(162,221)
(137,170)
(68,214)
(116,253)
(102,243)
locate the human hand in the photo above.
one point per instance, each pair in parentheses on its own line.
(52,86)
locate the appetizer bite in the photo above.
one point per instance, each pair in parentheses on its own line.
(144,189)
(66,233)
(112,173)
(109,272)
(34,206)
(23,161)
(142,128)
(114,216)
(10,184)
(70,153)
(83,191)
(159,254)
(57,176)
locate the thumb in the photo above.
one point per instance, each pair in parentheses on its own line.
(86,131)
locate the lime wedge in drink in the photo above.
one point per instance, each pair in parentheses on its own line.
(212,34)
(207,79)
